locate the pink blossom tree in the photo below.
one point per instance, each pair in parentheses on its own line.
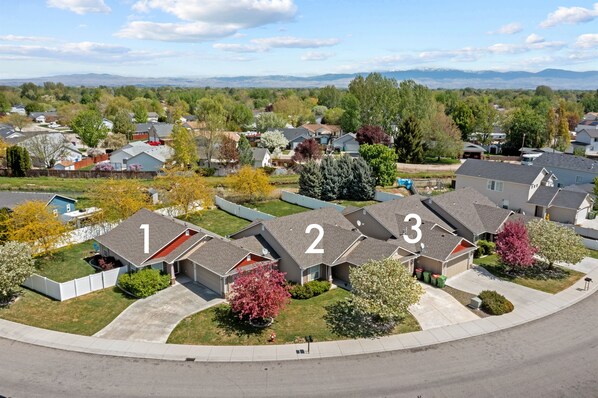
(259,293)
(513,246)
(103,166)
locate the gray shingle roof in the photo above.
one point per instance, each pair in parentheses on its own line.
(368,249)
(218,256)
(293,134)
(569,199)
(142,127)
(591,132)
(163,129)
(11,199)
(543,196)
(563,161)
(256,244)
(260,153)
(499,171)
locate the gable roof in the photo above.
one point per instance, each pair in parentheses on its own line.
(12,199)
(256,244)
(318,127)
(593,133)
(501,171)
(162,129)
(218,256)
(588,123)
(133,148)
(142,127)
(471,147)
(345,138)
(553,196)
(292,134)
(368,249)
(563,161)
(161,152)
(260,153)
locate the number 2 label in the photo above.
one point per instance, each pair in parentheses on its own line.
(418,231)
(312,249)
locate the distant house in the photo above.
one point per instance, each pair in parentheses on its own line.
(587,124)
(261,157)
(20,109)
(527,189)
(48,142)
(586,138)
(346,143)
(569,169)
(160,132)
(108,124)
(44,117)
(472,151)
(149,157)
(7,131)
(58,203)
(323,133)
(142,128)
(64,165)
(152,117)
(591,116)
(295,136)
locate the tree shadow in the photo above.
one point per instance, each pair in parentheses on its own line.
(345,320)
(230,323)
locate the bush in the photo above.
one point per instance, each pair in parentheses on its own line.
(268,170)
(494,303)
(206,171)
(484,248)
(309,290)
(144,283)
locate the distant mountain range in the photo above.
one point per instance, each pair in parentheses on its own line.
(433,78)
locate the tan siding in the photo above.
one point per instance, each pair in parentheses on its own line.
(516,194)
(429,264)
(341,272)
(209,279)
(456,266)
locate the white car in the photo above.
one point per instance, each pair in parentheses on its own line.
(53,125)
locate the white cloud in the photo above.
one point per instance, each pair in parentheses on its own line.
(588,40)
(80,6)
(534,38)
(23,38)
(508,29)
(316,56)
(266,44)
(570,15)
(206,19)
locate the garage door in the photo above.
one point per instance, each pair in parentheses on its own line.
(208,279)
(455,267)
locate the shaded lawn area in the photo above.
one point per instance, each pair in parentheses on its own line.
(355,203)
(217,326)
(441,161)
(217,221)
(278,208)
(85,315)
(552,286)
(67,263)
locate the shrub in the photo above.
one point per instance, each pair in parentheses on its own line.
(494,303)
(485,248)
(144,283)
(319,287)
(268,170)
(207,171)
(309,290)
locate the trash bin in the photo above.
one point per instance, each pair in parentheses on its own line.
(434,279)
(427,276)
(441,281)
(418,273)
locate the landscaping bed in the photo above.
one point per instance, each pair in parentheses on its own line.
(217,221)
(67,263)
(218,326)
(464,298)
(85,315)
(546,280)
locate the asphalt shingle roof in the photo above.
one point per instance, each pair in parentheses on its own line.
(543,196)
(368,249)
(509,172)
(569,199)
(564,161)
(256,244)
(218,256)
(11,199)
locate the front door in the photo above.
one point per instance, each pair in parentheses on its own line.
(177,268)
(539,211)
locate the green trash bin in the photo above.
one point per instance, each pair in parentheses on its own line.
(441,281)
(427,276)
(434,278)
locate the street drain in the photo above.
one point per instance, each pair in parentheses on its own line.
(190,359)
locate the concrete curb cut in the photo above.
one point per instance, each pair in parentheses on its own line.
(174,352)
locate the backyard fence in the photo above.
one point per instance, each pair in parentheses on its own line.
(381,196)
(241,211)
(306,201)
(76,287)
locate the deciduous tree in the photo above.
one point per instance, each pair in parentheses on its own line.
(228,152)
(372,135)
(114,141)
(513,246)
(556,243)
(122,124)
(269,121)
(184,190)
(310,180)
(307,150)
(47,149)
(350,120)
(185,147)
(213,115)
(88,125)
(251,183)
(273,140)
(382,160)
(16,265)
(17,120)
(118,199)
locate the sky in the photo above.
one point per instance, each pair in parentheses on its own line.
(203,38)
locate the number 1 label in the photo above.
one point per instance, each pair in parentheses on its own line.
(145,228)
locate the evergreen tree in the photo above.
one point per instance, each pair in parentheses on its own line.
(364,183)
(563,137)
(330,179)
(344,168)
(310,180)
(409,142)
(18,160)
(245,152)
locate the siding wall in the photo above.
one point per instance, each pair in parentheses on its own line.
(516,194)
(60,204)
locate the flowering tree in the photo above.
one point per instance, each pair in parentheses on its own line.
(307,150)
(103,166)
(513,245)
(16,265)
(273,139)
(259,293)
(372,135)
(556,243)
(135,167)
(251,183)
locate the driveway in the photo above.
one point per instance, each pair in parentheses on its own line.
(152,319)
(477,279)
(437,308)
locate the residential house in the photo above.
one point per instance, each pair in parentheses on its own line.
(323,133)
(58,203)
(6,131)
(591,116)
(587,124)
(142,128)
(64,165)
(472,151)
(295,136)
(44,117)
(147,239)
(473,215)
(527,189)
(108,124)
(149,157)
(54,145)
(160,132)
(587,139)
(261,157)
(318,244)
(20,109)
(152,117)
(439,250)
(569,169)
(346,143)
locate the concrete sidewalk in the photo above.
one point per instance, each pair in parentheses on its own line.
(94,345)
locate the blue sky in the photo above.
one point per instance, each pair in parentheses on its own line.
(300,37)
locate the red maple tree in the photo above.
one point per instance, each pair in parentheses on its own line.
(372,135)
(513,246)
(307,150)
(259,293)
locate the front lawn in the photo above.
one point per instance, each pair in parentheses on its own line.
(355,203)
(277,208)
(85,315)
(67,263)
(552,286)
(218,326)
(441,161)
(217,221)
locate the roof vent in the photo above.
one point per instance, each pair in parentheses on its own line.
(265,251)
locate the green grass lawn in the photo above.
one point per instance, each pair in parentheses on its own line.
(427,174)
(52,184)
(85,315)
(277,207)
(548,285)
(355,203)
(592,253)
(216,325)
(218,221)
(67,263)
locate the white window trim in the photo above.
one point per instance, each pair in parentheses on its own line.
(492,185)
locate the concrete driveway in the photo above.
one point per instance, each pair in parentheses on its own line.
(437,308)
(152,319)
(477,279)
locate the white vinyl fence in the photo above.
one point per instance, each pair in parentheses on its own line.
(308,202)
(241,211)
(76,287)
(386,196)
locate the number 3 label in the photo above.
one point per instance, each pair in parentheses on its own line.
(312,249)
(418,231)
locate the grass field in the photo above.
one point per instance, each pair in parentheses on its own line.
(277,207)
(218,221)
(67,263)
(355,203)
(427,174)
(217,326)
(85,315)
(552,286)
(441,161)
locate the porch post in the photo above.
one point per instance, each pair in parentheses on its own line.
(170,270)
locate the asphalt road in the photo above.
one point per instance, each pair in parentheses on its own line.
(553,357)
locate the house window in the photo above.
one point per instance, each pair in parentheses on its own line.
(313,273)
(578,179)
(68,207)
(494,185)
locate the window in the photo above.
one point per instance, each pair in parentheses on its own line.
(313,273)
(68,207)
(494,185)
(578,179)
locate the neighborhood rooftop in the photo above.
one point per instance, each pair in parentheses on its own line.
(577,163)
(500,171)
(11,199)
